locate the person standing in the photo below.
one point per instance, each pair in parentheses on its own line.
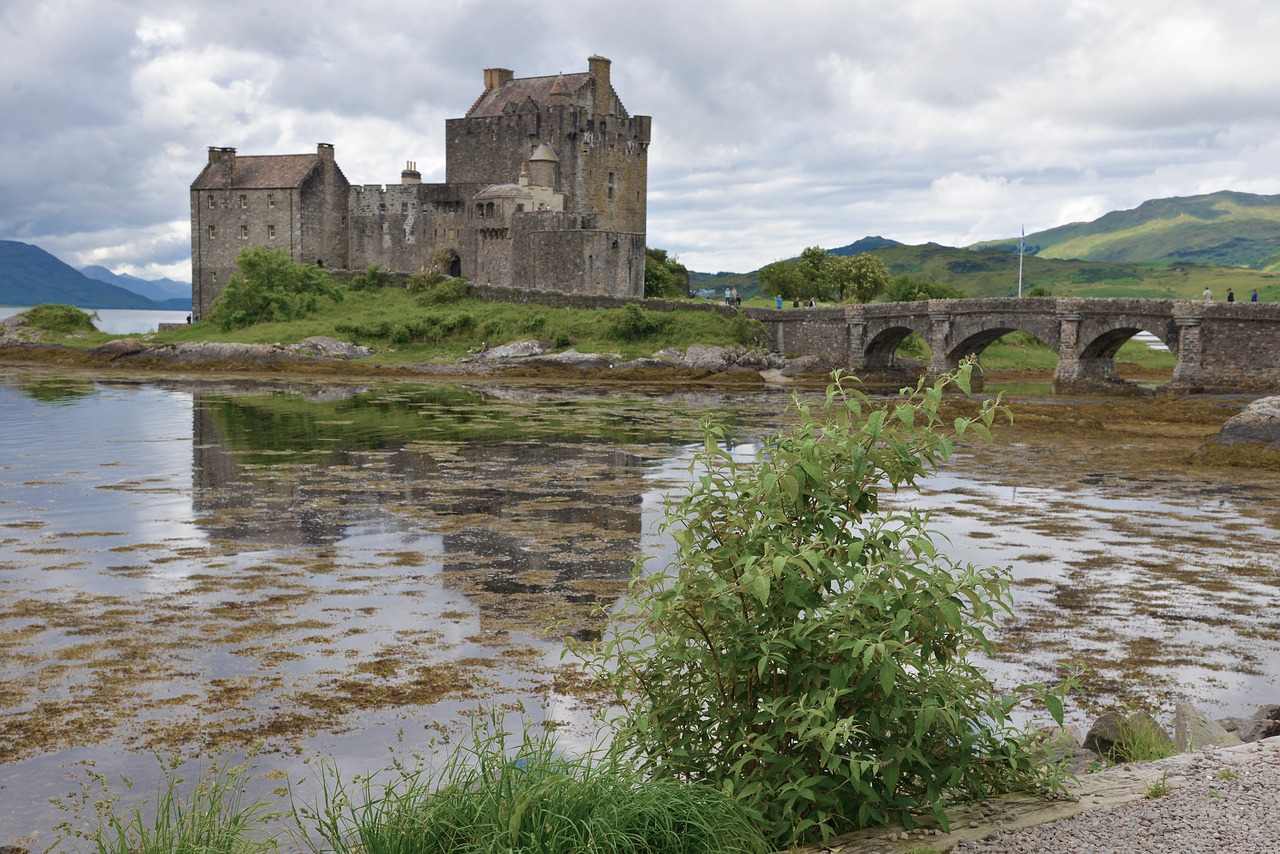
(778,301)
(1231,295)
(1207,296)
(1254,298)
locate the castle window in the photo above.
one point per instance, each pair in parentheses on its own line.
(488,209)
(404,207)
(244,232)
(213,231)
(479,210)
(271,200)
(212,203)
(610,192)
(271,231)
(244,201)
(519,207)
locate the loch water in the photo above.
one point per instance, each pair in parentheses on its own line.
(340,571)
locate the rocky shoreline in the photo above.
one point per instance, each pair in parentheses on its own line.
(1217,794)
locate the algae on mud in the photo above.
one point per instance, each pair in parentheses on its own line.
(192,564)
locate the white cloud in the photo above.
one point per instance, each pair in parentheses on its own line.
(776,126)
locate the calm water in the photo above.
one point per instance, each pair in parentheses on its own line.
(120,321)
(337,570)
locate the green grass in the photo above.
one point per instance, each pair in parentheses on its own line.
(403,330)
(489,796)
(493,796)
(208,815)
(1159,788)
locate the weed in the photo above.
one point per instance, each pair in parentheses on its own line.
(1159,788)
(209,816)
(1227,774)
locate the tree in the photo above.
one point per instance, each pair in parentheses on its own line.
(905,288)
(270,286)
(782,278)
(664,277)
(860,278)
(807,650)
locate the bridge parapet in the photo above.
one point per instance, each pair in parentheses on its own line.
(1219,347)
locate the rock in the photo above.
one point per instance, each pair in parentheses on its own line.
(1062,745)
(707,358)
(574,359)
(1265,723)
(330,348)
(807,365)
(1110,733)
(121,347)
(514,350)
(1258,424)
(1192,730)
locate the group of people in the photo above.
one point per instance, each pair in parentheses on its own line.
(731,297)
(1231,295)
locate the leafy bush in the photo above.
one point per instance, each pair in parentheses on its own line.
(905,288)
(270,286)
(63,319)
(444,291)
(486,798)
(633,322)
(370,279)
(1038,291)
(808,648)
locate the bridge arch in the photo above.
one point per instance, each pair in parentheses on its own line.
(880,351)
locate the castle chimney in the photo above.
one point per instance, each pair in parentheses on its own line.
(410,174)
(325,150)
(495,77)
(599,67)
(217,153)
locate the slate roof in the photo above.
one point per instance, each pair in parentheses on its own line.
(258,172)
(516,92)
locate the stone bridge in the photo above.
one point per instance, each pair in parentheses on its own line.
(1220,347)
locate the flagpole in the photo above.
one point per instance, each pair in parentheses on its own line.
(1022,248)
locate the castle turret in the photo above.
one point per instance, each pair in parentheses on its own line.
(543,164)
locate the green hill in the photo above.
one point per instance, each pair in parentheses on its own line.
(1229,228)
(31,276)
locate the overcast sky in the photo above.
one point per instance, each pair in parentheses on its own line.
(776,125)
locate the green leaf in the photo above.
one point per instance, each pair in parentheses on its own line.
(1054,704)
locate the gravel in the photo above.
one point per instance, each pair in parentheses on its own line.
(1230,802)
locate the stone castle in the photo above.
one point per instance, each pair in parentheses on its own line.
(545,189)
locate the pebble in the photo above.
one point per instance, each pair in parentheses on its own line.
(1204,815)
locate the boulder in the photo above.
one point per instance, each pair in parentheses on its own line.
(1258,424)
(1265,723)
(514,350)
(707,358)
(120,347)
(1111,733)
(330,348)
(1192,730)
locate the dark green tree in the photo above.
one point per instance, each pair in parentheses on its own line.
(664,276)
(907,288)
(269,286)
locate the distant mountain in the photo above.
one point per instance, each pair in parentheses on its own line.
(159,290)
(1227,228)
(866,244)
(31,276)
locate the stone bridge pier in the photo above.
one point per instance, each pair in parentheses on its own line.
(1218,347)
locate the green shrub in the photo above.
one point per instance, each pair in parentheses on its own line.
(63,319)
(631,322)
(369,280)
(487,799)
(269,286)
(807,650)
(444,291)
